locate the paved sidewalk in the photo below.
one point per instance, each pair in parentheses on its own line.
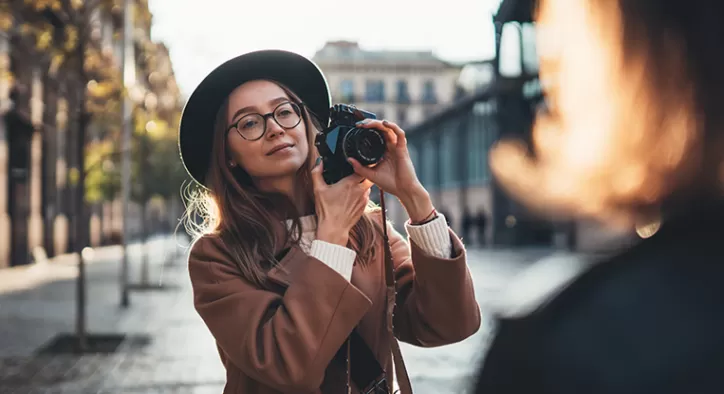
(37,303)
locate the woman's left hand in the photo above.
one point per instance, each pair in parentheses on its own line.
(395,174)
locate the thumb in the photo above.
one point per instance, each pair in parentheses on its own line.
(359,169)
(317,178)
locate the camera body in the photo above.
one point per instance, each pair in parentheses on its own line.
(343,140)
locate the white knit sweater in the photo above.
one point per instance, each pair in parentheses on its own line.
(433,238)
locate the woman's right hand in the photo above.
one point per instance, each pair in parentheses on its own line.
(339,206)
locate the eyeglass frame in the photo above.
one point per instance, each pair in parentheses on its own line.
(266,117)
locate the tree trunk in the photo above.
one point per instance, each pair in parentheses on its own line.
(81,223)
(145,268)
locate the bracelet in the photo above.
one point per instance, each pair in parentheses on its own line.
(429,218)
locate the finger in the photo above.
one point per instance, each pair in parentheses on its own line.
(317,178)
(362,171)
(361,204)
(401,139)
(366,184)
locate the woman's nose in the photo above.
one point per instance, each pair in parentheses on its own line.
(273,128)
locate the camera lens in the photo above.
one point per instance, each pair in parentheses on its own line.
(365,145)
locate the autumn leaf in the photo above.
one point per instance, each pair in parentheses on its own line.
(71,38)
(6,19)
(44,37)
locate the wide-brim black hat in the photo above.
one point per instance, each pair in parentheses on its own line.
(294,71)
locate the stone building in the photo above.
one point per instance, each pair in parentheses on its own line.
(401,86)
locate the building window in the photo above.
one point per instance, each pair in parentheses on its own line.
(375,91)
(428,92)
(403,94)
(346,90)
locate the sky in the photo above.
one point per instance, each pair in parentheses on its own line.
(201,34)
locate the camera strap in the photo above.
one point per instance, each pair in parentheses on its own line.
(366,372)
(403,379)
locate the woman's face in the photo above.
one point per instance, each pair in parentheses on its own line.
(282,148)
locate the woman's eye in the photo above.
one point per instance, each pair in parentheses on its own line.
(248,124)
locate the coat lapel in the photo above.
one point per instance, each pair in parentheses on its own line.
(290,259)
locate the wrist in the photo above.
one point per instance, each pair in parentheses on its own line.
(418,205)
(332,236)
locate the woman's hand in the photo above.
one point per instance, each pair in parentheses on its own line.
(338,206)
(395,174)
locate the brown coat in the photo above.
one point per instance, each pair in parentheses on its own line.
(284,340)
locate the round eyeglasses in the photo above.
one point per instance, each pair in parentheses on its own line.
(253,126)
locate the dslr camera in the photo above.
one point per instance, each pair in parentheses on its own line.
(343,140)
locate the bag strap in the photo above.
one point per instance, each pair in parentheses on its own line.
(403,379)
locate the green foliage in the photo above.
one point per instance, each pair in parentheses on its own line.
(157,169)
(103,173)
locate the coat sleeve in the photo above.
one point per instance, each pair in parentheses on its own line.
(285,342)
(435,302)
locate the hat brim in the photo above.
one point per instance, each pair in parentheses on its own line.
(294,71)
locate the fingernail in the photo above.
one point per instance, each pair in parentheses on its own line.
(385,123)
(316,163)
(361,122)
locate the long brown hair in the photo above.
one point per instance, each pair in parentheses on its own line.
(247,219)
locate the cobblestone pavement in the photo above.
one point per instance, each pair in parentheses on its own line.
(37,303)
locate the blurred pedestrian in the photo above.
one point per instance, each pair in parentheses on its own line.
(634,137)
(467,225)
(287,270)
(482,223)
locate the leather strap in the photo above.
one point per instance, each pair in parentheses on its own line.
(403,379)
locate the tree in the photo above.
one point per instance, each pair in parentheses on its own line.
(156,166)
(166,173)
(66,33)
(103,175)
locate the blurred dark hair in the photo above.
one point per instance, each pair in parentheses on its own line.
(663,147)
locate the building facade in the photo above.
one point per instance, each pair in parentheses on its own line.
(40,118)
(401,86)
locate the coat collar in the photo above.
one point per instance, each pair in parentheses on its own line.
(292,258)
(288,267)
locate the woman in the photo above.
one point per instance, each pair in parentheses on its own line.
(287,267)
(634,137)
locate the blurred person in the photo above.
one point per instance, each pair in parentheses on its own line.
(287,270)
(482,222)
(467,224)
(633,137)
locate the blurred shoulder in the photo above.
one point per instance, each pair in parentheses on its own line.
(532,288)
